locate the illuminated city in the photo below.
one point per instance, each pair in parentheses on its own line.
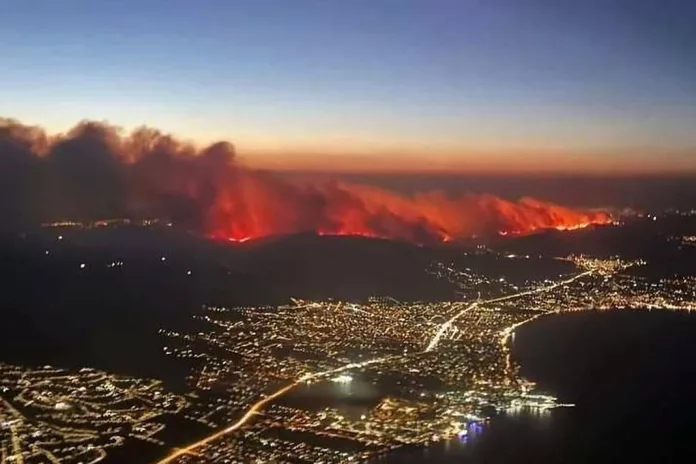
(60,416)
(445,364)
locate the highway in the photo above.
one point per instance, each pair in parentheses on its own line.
(256,407)
(444,327)
(540,289)
(447,324)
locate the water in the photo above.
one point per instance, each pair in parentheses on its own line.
(632,376)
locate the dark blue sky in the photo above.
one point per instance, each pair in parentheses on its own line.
(459,82)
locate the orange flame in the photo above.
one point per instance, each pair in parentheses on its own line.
(256,206)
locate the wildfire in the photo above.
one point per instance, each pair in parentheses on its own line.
(240,240)
(600,220)
(252,206)
(94,170)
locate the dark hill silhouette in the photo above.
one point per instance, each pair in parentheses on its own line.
(350,267)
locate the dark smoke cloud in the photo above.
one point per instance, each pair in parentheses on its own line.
(94,171)
(97,171)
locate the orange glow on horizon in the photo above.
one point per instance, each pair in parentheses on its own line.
(522,161)
(406,154)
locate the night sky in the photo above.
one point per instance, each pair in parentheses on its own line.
(371,85)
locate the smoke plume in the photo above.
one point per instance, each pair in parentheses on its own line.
(96,171)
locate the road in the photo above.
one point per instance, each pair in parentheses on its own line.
(256,407)
(444,327)
(447,324)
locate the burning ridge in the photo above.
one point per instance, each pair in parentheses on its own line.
(95,171)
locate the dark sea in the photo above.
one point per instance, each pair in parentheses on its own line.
(632,376)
